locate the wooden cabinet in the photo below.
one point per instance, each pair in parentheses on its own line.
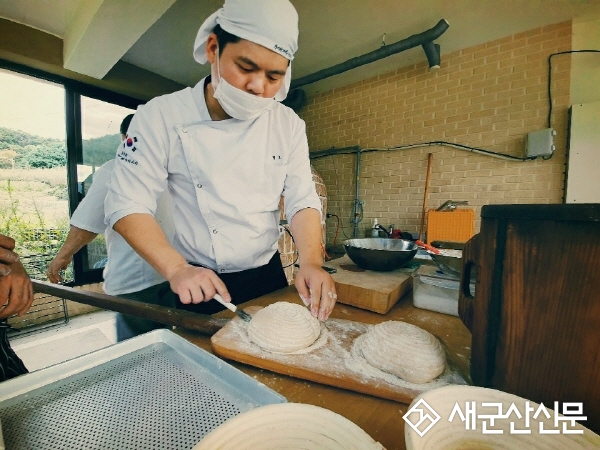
(535,312)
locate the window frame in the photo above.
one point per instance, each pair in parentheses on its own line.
(74,144)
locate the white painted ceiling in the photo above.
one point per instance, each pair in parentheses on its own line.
(158,35)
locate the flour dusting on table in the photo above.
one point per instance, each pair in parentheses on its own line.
(335,356)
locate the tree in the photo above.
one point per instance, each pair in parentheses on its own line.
(8,156)
(38,152)
(31,150)
(46,157)
(97,151)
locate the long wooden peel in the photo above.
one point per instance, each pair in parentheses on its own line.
(169,316)
(429,159)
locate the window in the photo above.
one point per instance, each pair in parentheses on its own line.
(54,133)
(34,207)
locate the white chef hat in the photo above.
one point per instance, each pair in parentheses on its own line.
(270,23)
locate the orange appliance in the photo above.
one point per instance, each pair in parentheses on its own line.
(455,225)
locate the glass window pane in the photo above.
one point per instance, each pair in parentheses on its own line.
(100,130)
(33,176)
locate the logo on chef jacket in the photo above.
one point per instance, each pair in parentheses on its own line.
(123,156)
(129,143)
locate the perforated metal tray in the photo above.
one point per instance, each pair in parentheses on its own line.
(155,391)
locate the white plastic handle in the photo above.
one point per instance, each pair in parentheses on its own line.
(229,306)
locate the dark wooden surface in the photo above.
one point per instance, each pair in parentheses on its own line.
(170,316)
(536,313)
(380,418)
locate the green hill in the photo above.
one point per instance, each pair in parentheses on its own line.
(31,150)
(27,150)
(99,150)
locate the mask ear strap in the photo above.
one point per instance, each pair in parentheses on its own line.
(285,87)
(218,64)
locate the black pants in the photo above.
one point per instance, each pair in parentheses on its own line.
(130,326)
(245,285)
(10,364)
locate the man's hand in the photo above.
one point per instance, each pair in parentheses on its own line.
(56,265)
(7,256)
(316,289)
(76,239)
(315,286)
(197,284)
(16,291)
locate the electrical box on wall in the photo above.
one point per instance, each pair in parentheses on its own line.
(541,142)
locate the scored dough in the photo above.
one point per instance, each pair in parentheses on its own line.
(404,350)
(283,327)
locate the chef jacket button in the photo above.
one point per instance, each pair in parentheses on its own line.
(215,231)
(199,186)
(184,130)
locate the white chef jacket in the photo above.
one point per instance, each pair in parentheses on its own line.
(125,270)
(225,177)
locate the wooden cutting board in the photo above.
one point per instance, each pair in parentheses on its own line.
(333,360)
(367,289)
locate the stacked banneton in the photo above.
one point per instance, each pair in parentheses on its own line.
(288,425)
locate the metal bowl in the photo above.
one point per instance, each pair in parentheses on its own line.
(380,254)
(450,265)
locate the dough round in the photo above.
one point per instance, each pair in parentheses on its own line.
(290,426)
(404,350)
(283,327)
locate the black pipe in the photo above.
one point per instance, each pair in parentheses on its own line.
(432,52)
(334,151)
(383,52)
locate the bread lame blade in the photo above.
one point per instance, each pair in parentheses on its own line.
(231,307)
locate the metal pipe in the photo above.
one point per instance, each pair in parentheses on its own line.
(357,203)
(334,151)
(383,52)
(344,151)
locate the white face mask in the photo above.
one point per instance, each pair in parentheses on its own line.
(235,102)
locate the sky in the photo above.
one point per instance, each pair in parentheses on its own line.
(38,107)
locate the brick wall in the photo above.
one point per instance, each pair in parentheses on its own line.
(488,96)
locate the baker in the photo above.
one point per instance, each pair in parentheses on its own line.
(227,150)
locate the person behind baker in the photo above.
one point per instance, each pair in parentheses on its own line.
(125,273)
(228,150)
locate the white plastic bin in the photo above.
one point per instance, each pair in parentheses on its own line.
(436,291)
